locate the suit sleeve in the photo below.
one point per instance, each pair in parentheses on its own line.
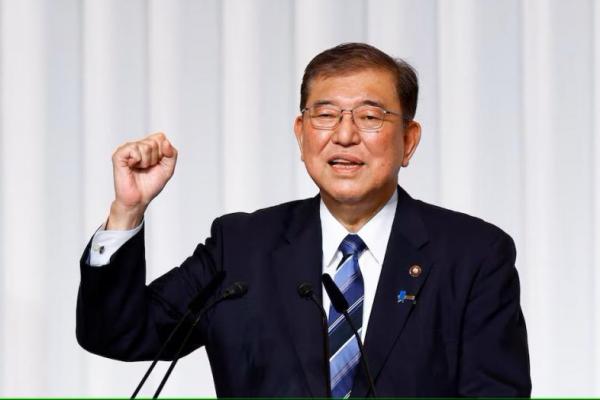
(120,317)
(494,354)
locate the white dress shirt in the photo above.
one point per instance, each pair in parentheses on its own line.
(375,233)
(106,243)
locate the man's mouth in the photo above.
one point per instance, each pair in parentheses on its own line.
(345,163)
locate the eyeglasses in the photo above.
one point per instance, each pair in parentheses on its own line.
(365,117)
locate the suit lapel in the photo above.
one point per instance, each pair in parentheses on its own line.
(388,316)
(299,259)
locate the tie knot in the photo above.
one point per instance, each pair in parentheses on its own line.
(352,245)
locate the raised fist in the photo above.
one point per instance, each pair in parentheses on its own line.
(141,169)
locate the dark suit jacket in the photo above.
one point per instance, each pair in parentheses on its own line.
(464,335)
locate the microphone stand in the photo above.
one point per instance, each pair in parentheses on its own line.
(194,306)
(238,289)
(306,291)
(339,302)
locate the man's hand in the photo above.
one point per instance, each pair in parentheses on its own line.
(141,169)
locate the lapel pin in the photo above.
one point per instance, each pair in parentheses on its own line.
(415,271)
(402,296)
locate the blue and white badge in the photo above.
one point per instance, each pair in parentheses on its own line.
(402,296)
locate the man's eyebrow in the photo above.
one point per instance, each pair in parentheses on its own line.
(322,102)
(362,103)
(372,103)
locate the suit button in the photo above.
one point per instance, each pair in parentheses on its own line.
(415,271)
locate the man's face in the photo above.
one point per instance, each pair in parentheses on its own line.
(348,165)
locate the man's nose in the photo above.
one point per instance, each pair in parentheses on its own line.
(346,133)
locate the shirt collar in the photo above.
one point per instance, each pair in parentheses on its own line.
(375,233)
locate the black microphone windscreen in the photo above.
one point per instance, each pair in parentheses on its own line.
(201,298)
(305,290)
(338,301)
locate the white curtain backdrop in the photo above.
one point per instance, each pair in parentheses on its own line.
(510,108)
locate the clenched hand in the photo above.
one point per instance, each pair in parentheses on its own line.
(141,169)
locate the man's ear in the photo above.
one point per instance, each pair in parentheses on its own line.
(299,132)
(412,137)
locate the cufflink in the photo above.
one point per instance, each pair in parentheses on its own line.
(98,248)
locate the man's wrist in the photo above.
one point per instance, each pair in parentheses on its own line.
(122,218)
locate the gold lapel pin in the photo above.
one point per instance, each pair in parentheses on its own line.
(415,271)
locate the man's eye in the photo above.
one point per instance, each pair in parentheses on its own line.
(370,117)
(325,115)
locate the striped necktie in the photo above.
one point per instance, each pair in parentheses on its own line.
(345,355)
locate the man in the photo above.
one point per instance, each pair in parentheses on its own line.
(434,293)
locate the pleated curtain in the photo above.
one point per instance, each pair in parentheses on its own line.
(510,109)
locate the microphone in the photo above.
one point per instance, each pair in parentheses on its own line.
(306,291)
(194,306)
(339,302)
(234,291)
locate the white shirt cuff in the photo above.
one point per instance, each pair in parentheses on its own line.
(106,243)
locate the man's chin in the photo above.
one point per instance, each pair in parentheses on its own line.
(356,194)
(344,197)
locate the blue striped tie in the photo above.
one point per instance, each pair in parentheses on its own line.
(345,355)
